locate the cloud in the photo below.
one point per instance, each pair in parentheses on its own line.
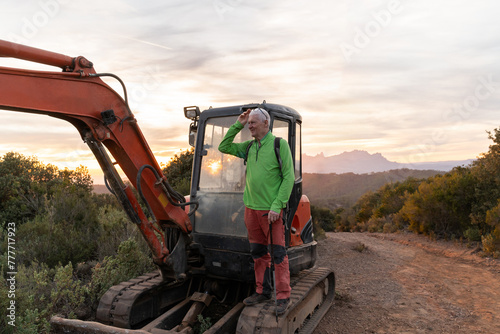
(401,86)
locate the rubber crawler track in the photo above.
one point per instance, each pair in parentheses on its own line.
(115,305)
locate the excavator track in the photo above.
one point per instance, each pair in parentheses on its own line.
(313,293)
(130,303)
(133,304)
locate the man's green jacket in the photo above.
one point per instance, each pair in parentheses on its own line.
(264,189)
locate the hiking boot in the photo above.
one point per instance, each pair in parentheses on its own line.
(282,306)
(255,299)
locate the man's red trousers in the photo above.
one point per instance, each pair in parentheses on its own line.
(257,225)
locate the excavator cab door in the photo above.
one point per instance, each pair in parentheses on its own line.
(221,183)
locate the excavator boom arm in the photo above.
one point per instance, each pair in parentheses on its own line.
(103,118)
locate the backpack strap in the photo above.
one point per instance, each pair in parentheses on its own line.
(278,155)
(286,210)
(246,152)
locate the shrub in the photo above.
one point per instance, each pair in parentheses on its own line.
(203,324)
(114,228)
(42,292)
(319,233)
(493,220)
(28,323)
(178,171)
(390,227)
(373,226)
(53,242)
(383,224)
(473,234)
(26,185)
(345,220)
(129,262)
(323,218)
(67,295)
(442,204)
(359,247)
(491,245)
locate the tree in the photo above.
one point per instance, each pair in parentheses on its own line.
(486,170)
(178,171)
(387,200)
(393,196)
(323,218)
(26,185)
(366,205)
(442,204)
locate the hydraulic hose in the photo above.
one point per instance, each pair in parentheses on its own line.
(125,96)
(171,193)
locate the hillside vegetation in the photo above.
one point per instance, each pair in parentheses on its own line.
(65,244)
(461,204)
(344,190)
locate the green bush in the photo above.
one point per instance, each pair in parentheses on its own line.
(319,233)
(387,200)
(26,185)
(203,324)
(178,171)
(66,223)
(486,170)
(58,236)
(29,323)
(323,218)
(390,225)
(473,234)
(42,292)
(442,204)
(129,262)
(114,228)
(68,294)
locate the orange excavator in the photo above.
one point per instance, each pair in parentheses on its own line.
(198,242)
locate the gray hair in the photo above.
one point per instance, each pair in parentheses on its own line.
(262,114)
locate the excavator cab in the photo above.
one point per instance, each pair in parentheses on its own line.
(218,182)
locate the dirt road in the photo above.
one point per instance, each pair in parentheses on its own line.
(404,283)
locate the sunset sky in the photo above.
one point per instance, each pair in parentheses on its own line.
(416,81)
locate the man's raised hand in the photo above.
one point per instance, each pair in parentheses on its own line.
(243,118)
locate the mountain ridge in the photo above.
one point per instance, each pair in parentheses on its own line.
(361,162)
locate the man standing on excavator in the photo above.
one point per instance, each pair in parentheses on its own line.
(269,184)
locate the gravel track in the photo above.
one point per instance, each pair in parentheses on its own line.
(405,283)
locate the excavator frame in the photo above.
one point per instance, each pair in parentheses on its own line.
(197,267)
